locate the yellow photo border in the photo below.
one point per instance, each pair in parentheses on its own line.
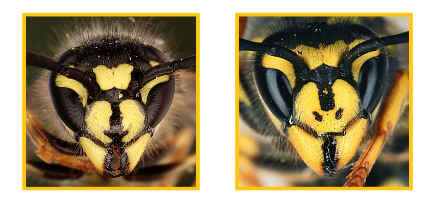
(410,15)
(196,15)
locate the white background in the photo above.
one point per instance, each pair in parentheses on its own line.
(217,96)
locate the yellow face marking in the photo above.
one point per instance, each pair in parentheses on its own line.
(153,63)
(282,65)
(347,145)
(118,77)
(97,119)
(94,152)
(357,64)
(135,151)
(62,81)
(307,102)
(308,147)
(145,90)
(329,55)
(133,118)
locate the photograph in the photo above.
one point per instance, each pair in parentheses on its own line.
(111,101)
(323,101)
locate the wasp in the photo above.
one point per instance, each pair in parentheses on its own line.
(104,99)
(317,90)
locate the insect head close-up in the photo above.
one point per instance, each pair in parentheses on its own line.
(320,97)
(111,101)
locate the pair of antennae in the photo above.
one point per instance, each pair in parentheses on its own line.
(301,69)
(46,63)
(165,68)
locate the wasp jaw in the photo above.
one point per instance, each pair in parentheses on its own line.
(116,163)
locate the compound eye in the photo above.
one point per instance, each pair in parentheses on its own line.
(276,92)
(372,80)
(157,95)
(69,98)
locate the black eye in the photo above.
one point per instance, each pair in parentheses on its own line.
(372,80)
(159,100)
(67,103)
(276,91)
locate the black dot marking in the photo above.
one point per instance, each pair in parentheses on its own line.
(318,117)
(338,114)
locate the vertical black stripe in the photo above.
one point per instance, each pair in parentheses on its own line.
(116,131)
(326,96)
(329,150)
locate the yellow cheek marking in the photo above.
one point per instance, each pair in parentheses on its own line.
(135,150)
(329,55)
(307,102)
(153,63)
(308,147)
(357,64)
(132,118)
(347,145)
(145,90)
(346,98)
(355,43)
(94,152)
(119,77)
(62,81)
(98,120)
(282,65)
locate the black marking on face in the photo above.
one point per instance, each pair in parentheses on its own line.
(318,117)
(338,114)
(116,155)
(330,160)
(108,165)
(324,77)
(124,162)
(108,162)
(326,99)
(116,131)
